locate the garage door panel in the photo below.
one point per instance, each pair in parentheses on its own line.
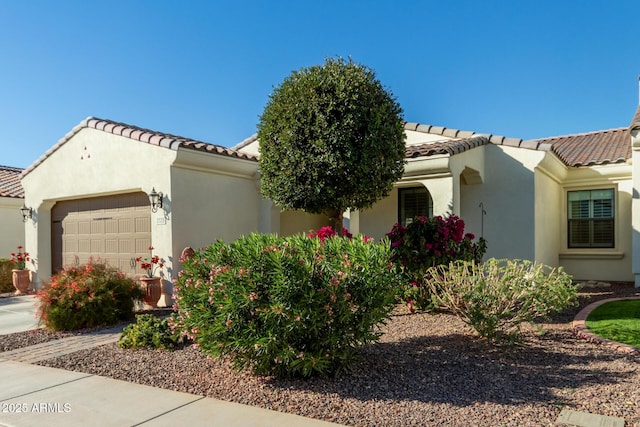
(84,246)
(70,245)
(97,246)
(142,225)
(69,228)
(113,228)
(125,225)
(125,246)
(84,227)
(97,227)
(111,246)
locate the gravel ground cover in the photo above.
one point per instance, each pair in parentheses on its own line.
(427,370)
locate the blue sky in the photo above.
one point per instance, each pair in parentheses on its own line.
(205,69)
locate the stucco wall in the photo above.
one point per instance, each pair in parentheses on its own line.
(548,219)
(613,264)
(12,228)
(378,220)
(635,142)
(506,192)
(208,205)
(294,222)
(93,163)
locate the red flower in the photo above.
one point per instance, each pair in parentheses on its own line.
(152,265)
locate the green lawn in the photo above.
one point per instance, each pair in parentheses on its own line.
(618,321)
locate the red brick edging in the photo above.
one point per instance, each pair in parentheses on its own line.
(580,328)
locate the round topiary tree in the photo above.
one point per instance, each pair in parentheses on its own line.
(331,139)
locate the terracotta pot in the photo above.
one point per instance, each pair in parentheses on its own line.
(21,281)
(152,287)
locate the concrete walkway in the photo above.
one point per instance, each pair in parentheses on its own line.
(32,395)
(18,314)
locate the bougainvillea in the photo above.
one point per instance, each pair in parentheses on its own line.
(327,231)
(428,242)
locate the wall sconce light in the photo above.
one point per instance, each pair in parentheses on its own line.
(156,200)
(27,213)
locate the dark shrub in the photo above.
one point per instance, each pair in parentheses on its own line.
(6,283)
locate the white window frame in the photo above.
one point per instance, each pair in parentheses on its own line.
(591,219)
(402,218)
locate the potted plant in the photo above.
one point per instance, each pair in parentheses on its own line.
(20,275)
(150,283)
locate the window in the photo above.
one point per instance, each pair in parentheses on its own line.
(591,218)
(413,202)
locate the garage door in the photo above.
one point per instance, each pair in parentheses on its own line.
(114,228)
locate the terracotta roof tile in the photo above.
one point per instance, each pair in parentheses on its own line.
(452,133)
(10,185)
(593,148)
(144,135)
(587,149)
(451,147)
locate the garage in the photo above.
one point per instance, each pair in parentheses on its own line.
(113,228)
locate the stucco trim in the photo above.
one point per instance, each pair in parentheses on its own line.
(593,254)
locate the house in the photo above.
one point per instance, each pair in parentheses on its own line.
(564,201)
(11,200)
(90,197)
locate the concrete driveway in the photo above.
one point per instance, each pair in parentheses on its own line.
(18,313)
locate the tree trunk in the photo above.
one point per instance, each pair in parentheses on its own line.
(335,219)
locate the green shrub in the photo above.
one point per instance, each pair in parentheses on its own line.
(286,307)
(149,331)
(428,242)
(495,297)
(6,282)
(87,296)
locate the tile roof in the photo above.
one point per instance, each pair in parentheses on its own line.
(145,135)
(450,147)
(586,149)
(593,148)
(10,182)
(462,141)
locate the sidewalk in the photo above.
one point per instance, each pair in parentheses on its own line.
(33,395)
(18,313)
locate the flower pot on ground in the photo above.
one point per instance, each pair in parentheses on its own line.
(21,281)
(150,283)
(152,287)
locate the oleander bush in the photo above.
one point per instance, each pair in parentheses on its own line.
(286,306)
(497,296)
(149,331)
(87,296)
(428,242)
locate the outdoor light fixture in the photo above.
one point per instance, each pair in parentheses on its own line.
(156,200)
(27,213)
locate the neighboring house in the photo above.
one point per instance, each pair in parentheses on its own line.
(564,201)
(11,200)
